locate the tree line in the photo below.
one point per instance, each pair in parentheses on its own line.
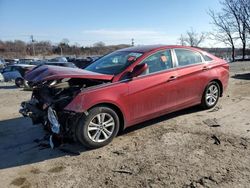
(21,49)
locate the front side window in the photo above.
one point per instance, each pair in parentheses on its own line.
(158,62)
(187,57)
(114,63)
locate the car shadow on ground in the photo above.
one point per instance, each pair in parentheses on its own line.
(8,87)
(20,145)
(245,76)
(161,119)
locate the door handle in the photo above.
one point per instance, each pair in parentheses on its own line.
(172,78)
(206,68)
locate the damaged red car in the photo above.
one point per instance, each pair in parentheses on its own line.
(122,89)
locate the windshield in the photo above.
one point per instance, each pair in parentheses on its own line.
(114,63)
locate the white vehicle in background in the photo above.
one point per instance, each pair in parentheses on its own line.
(1,78)
(58,59)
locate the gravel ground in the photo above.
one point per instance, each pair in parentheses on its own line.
(189,148)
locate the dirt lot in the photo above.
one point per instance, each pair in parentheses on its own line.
(190,148)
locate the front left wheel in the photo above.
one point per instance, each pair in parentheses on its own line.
(98,128)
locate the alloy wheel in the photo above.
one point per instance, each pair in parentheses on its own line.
(101,127)
(212,95)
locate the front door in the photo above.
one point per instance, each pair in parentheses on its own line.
(154,91)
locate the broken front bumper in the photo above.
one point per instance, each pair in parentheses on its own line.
(31,109)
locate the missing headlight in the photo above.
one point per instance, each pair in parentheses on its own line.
(53,120)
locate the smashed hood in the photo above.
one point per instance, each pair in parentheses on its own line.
(50,72)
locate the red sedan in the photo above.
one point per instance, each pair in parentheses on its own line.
(122,89)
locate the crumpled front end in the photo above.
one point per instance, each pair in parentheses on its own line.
(47,103)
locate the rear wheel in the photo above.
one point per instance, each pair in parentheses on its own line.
(19,82)
(98,128)
(211,95)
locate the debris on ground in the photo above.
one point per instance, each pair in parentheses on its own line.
(123,172)
(244,142)
(118,152)
(216,140)
(216,108)
(211,122)
(204,181)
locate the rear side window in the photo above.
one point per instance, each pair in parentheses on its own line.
(206,58)
(187,57)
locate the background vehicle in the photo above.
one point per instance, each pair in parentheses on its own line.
(11,61)
(25,61)
(82,62)
(2,63)
(16,72)
(58,59)
(122,89)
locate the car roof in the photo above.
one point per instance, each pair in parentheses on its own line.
(148,48)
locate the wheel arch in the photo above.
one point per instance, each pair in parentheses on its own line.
(117,110)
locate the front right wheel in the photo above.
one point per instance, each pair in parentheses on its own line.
(98,128)
(211,95)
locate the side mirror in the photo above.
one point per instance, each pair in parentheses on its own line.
(138,70)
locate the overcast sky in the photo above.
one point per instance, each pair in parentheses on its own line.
(111,21)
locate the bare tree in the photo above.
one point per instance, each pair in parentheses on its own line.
(182,40)
(99,44)
(224,30)
(192,38)
(65,42)
(245,12)
(236,8)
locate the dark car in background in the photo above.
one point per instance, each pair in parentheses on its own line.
(25,61)
(83,62)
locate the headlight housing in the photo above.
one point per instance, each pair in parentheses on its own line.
(53,120)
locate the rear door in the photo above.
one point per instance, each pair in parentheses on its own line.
(193,75)
(154,91)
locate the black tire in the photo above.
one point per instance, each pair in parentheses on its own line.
(82,133)
(19,82)
(205,104)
